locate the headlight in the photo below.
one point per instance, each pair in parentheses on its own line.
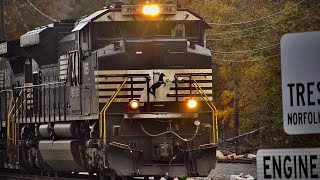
(192,103)
(151,10)
(134,104)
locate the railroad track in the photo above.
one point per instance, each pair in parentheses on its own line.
(237,161)
(11,175)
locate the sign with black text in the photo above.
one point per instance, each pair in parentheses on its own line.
(300,66)
(281,164)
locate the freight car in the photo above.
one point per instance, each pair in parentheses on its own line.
(125,91)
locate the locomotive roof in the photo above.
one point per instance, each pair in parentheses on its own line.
(10,49)
(99,17)
(88,19)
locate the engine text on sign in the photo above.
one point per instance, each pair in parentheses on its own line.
(289,164)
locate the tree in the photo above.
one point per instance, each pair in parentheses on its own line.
(247,25)
(21,16)
(79,8)
(25,15)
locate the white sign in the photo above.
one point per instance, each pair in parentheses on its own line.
(281,164)
(300,66)
(3,48)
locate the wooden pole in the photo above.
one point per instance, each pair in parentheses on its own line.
(236,115)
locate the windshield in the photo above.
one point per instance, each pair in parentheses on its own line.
(104,33)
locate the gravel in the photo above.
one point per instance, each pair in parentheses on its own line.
(224,170)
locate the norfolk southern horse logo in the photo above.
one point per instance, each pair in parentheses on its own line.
(155,86)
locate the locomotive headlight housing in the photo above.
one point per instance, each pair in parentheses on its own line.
(134,104)
(191,103)
(151,10)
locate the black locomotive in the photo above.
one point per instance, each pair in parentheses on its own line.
(126,91)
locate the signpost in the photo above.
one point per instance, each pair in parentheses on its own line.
(300,65)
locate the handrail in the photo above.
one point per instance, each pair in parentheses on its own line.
(212,107)
(40,85)
(12,113)
(8,90)
(214,116)
(8,118)
(102,124)
(15,115)
(24,101)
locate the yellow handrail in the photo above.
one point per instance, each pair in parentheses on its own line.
(24,101)
(103,123)
(214,118)
(213,109)
(14,120)
(8,118)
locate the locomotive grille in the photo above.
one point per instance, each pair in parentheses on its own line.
(63,66)
(2,75)
(108,81)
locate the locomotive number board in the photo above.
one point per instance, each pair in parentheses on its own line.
(168,9)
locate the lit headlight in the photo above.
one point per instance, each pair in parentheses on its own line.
(134,104)
(192,103)
(151,10)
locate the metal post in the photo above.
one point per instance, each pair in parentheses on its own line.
(2,32)
(176,91)
(190,86)
(39,100)
(49,102)
(131,85)
(65,101)
(54,102)
(1,111)
(59,103)
(44,104)
(148,94)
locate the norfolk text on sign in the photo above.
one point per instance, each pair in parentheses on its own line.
(297,164)
(300,66)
